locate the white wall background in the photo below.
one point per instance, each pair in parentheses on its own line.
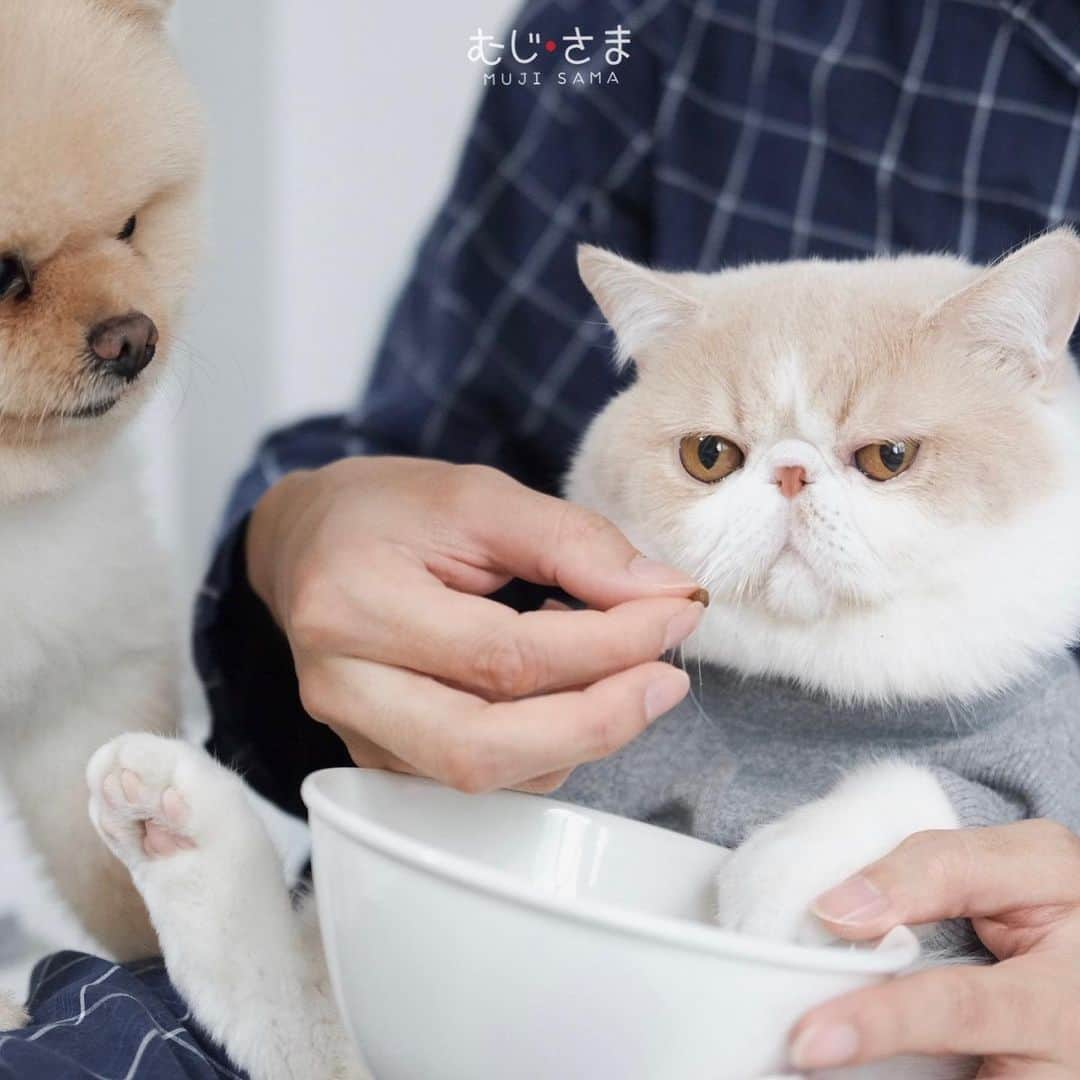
(333,127)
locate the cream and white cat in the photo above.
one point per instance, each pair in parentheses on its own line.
(869,464)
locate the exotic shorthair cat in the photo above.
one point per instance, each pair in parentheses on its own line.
(871,466)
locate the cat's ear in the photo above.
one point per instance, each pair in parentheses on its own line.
(642,306)
(1020,313)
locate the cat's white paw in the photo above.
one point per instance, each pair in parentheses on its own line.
(12,1015)
(156,798)
(767,885)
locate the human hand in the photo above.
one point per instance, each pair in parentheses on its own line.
(1020,886)
(376,569)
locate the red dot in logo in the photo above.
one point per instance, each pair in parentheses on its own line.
(550,46)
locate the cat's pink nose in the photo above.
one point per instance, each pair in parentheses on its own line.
(790,479)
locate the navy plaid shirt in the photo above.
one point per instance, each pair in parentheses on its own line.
(738,131)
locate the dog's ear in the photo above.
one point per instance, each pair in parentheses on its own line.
(153,11)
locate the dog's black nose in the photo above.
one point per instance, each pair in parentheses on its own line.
(123,345)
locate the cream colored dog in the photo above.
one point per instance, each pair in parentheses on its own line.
(102,150)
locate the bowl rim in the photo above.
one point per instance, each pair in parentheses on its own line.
(898,950)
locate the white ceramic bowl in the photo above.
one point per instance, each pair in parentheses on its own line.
(511,937)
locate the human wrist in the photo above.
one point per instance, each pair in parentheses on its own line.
(267,530)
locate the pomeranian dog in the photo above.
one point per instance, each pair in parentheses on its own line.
(99,187)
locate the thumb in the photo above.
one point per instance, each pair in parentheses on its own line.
(957,873)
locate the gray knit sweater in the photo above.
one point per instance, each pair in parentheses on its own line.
(741,752)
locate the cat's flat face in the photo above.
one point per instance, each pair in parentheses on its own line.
(819,442)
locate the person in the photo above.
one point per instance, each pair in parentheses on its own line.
(343,618)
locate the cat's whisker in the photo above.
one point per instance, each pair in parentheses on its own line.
(701,714)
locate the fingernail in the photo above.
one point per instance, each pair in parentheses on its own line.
(825,1046)
(657,573)
(551,604)
(683,625)
(665,693)
(701,596)
(856,900)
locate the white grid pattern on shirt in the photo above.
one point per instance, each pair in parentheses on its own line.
(815,144)
(995,62)
(524,276)
(934,90)
(520,282)
(749,130)
(179,1035)
(894,141)
(1067,172)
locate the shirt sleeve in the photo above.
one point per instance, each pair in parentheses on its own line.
(493,353)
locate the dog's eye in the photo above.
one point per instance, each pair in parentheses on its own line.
(14,278)
(709,458)
(884,460)
(128,231)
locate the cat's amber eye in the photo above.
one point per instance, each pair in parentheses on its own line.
(709,458)
(884,460)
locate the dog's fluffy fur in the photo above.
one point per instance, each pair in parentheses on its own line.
(97,125)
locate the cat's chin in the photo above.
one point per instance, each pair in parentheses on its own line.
(793,590)
(917,651)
